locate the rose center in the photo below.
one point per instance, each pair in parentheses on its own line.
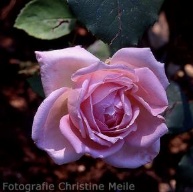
(113,115)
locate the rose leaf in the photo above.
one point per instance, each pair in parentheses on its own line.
(46,19)
(100,50)
(120,23)
(36,85)
(179,115)
(184,175)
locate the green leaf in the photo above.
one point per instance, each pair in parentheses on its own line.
(173,93)
(184,174)
(120,23)
(179,116)
(36,84)
(46,19)
(100,50)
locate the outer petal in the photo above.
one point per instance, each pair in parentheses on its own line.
(150,91)
(58,66)
(46,132)
(149,130)
(138,58)
(130,157)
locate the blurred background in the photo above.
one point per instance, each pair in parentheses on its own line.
(171,40)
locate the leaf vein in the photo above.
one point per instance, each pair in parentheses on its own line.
(119,15)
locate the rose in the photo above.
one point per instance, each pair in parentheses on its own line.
(111,111)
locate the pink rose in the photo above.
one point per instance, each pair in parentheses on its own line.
(110,111)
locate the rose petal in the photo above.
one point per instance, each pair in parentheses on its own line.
(131,157)
(128,112)
(139,58)
(149,130)
(99,109)
(86,145)
(84,120)
(45,129)
(58,66)
(101,74)
(74,103)
(107,94)
(142,145)
(150,91)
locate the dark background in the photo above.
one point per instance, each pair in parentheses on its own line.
(22,162)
